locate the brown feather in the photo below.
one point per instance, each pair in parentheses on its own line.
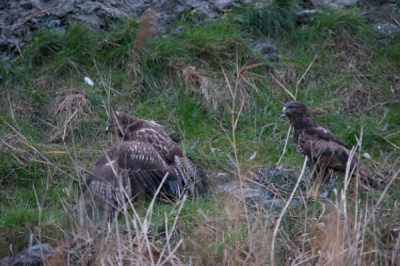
(127,166)
(140,162)
(133,128)
(324,149)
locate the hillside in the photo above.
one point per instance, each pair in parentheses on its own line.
(217,83)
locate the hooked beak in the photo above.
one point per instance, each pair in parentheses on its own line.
(283,112)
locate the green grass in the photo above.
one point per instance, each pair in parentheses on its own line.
(151,84)
(275,21)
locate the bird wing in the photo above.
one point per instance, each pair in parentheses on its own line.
(324,134)
(160,140)
(130,169)
(325,151)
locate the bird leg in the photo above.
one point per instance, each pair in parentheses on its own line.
(320,176)
(314,192)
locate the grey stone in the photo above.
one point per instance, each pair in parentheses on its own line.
(178,30)
(33,256)
(102,84)
(255,196)
(388,29)
(17,18)
(21,20)
(306,15)
(268,51)
(334,3)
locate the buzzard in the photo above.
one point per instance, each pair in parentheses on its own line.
(136,166)
(324,149)
(129,127)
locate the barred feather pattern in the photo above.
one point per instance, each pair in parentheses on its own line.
(135,167)
(190,174)
(133,128)
(129,170)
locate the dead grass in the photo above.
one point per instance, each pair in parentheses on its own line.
(68,107)
(346,231)
(211,93)
(347,228)
(12,145)
(146,28)
(144,32)
(214,92)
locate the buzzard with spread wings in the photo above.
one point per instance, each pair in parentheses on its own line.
(324,149)
(136,166)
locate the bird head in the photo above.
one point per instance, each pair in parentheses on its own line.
(294,109)
(298,114)
(118,123)
(110,122)
(115,122)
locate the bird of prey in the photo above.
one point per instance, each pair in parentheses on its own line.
(324,149)
(136,166)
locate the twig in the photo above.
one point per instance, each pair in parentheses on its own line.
(391,143)
(396,21)
(302,77)
(283,87)
(284,148)
(283,212)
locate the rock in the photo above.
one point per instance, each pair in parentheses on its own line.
(255,196)
(102,84)
(306,15)
(388,29)
(324,194)
(334,4)
(21,20)
(178,31)
(384,42)
(268,51)
(33,256)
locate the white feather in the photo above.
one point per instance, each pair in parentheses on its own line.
(366,155)
(89,81)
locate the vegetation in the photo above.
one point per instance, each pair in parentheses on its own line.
(197,81)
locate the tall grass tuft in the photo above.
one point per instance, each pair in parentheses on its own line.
(342,29)
(276,19)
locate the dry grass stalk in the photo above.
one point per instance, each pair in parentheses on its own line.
(16,104)
(11,144)
(146,28)
(68,106)
(235,237)
(343,237)
(273,262)
(212,90)
(113,242)
(199,84)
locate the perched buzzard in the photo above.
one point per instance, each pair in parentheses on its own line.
(136,166)
(323,149)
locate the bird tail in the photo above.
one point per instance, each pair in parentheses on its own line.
(190,174)
(98,202)
(368,179)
